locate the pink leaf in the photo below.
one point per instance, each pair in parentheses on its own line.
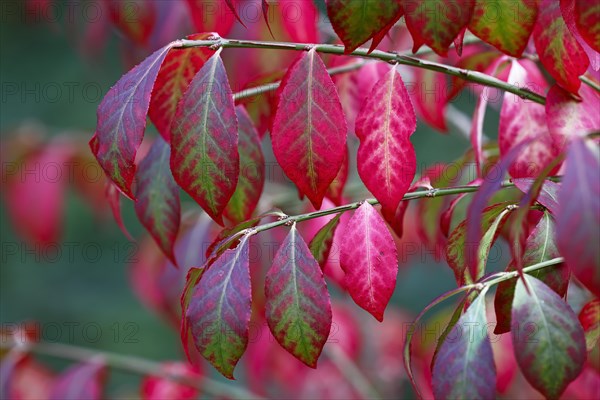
(204,141)
(157,387)
(386,158)
(430,95)
(210,16)
(298,309)
(300,20)
(522,120)
(122,120)
(567,7)
(81,381)
(309,129)
(369,259)
(548,196)
(569,117)
(578,214)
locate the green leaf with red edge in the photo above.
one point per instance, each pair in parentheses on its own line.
(369,259)
(228,238)
(492,220)
(204,141)
(122,120)
(505,24)
(309,128)
(298,309)
(252,171)
(558,49)
(135,19)
(356,21)
(157,197)
(336,189)
(464,367)
(587,18)
(430,95)
(193,276)
(569,117)
(219,311)
(160,387)
(209,16)
(548,340)
(177,71)
(567,8)
(578,214)
(320,245)
(539,247)
(386,159)
(548,195)
(81,381)
(458,312)
(436,23)
(589,317)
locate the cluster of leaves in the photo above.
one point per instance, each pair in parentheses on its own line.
(207,143)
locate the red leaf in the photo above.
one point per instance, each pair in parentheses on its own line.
(386,158)
(210,16)
(567,8)
(122,120)
(569,117)
(300,20)
(298,309)
(219,310)
(522,120)
(554,354)
(436,23)
(157,197)
(113,195)
(356,21)
(309,129)
(81,381)
(589,317)
(587,17)
(558,49)
(135,19)
(369,259)
(578,214)
(252,170)
(430,95)
(157,387)
(336,189)
(506,25)
(231,6)
(204,141)
(176,73)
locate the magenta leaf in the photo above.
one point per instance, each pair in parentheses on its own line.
(309,128)
(219,310)
(386,158)
(157,197)
(204,140)
(548,340)
(81,381)
(298,309)
(578,214)
(548,195)
(122,120)
(464,367)
(368,257)
(252,170)
(520,120)
(569,117)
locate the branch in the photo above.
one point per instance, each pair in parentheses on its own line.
(133,364)
(482,286)
(391,57)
